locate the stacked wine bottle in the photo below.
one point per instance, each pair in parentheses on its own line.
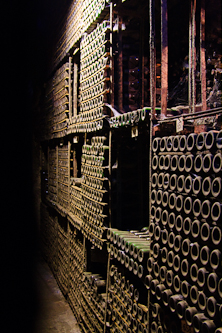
(63,176)
(130,248)
(94,74)
(52,179)
(185,264)
(70,32)
(57,101)
(127,306)
(95,190)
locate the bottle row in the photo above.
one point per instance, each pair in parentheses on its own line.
(183,205)
(182,143)
(91,12)
(128,313)
(199,163)
(101,76)
(129,118)
(163,232)
(96,91)
(188,184)
(193,251)
(99,196)
(95,149)
(90,43)
(70,32)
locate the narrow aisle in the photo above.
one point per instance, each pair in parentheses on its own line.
(55,315)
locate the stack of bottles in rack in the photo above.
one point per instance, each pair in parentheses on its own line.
(76,262)
(92,9)
(57,101)
(63,176)
(62,255)
(70,32)
(49,237)
(185,264)
(93,302)
(128,311)
(76,200)
(95,189)
(130,248)
(52,179)
(94,71)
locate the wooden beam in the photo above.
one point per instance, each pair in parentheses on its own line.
(75,89)
(202,56)
(164,57)
(152,59)
(70,87)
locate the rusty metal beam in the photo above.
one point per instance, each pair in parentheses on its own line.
(152,59)
(192,57)
(202,56)
(164,57)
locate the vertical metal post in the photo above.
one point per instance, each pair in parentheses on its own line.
(149,203)
(202,56)
(107,291)
(70,88)
(190,60)
(69,152)
(164,57)
(84,254)
(75,168)
(57,172)
(143,63)
(48,164)
(120,65)
(152,59)
(75,85)
(193,56)
(110,179)
(111,56)
(69,257)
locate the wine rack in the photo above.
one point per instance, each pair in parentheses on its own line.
(52,181)
(92,9)
(94,190)
(63,176)
(184,230)
(49,236)
(70,32)
(131,249)
(94,73)
(63,255)
(76,201)
(77,265)
(57,101)
(127,311)
(132,229)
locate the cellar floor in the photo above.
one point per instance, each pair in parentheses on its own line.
(54,313)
